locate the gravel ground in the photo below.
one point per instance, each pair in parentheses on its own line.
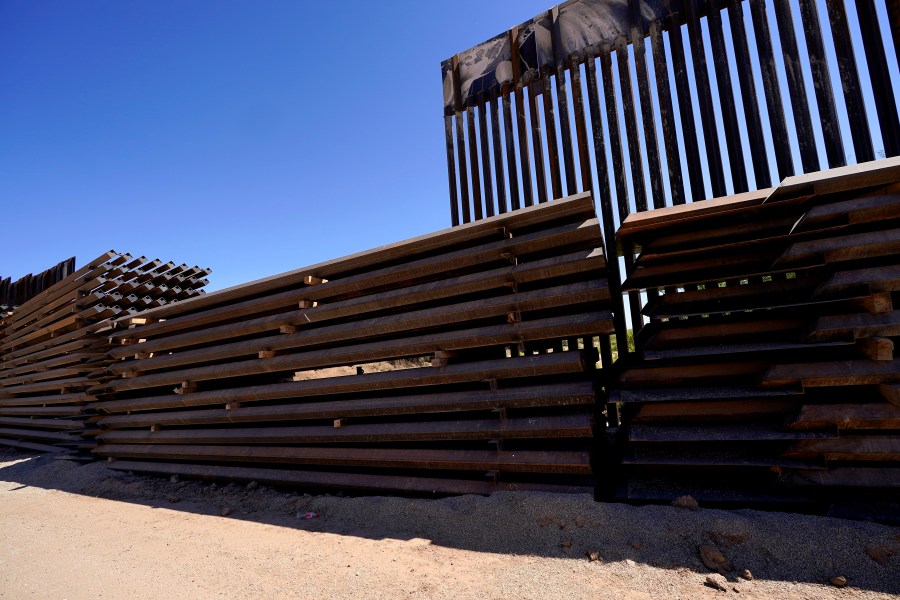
(83,531)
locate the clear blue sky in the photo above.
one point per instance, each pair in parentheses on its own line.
(256,137)
(249,137)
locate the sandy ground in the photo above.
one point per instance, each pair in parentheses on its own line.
(72,531)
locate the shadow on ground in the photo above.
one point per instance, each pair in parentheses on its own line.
(772,546)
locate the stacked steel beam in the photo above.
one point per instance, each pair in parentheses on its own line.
(51,348)
(767,370)
(274,381)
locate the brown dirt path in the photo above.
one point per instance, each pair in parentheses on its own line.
(70,531)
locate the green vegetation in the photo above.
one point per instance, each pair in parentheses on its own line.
(615,346)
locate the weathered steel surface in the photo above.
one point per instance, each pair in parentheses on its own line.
(818,63)
(777,335)
(876,58)
(341,480)
(51,347)
(749,100)
(476,312)
(530,54)
(541,69)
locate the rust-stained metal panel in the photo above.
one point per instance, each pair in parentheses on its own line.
(576,26)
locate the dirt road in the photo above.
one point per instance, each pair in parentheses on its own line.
(69,531)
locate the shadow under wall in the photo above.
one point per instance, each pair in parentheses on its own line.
(774,546)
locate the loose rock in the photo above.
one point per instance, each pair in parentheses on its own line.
(174,478)
(725,540)
(746,574)
(879,554)
(839,581)
(688,502)
(252,485)
(713,558)
(566,543)
(226,511)
(593,555)
(579,521)
(716,582)
(636,544)
(544,521)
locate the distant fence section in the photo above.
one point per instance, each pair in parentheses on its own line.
(13,293)
(653,103)
(458,362)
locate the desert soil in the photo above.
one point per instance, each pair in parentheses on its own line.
(71,531)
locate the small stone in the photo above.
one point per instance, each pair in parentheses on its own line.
(174,478)
(713,558)
(879,554)
(173,499)
(544,521)
(629,562)
(688,502)
(562,524)
(838,581)
(593,555)
(636,544)
(716,582)
(566,543)
(746,574)
(579,521)
(725,540)
(226,511)
(252,485)
(735,588)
